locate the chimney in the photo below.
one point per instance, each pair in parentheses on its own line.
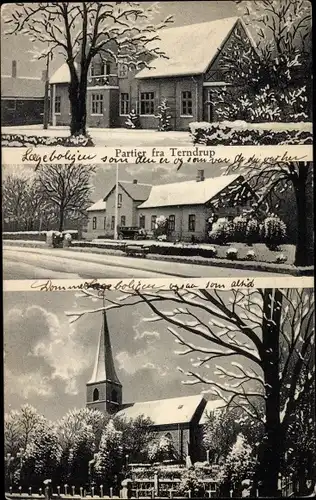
(134,181)
(13,69)
(200,176)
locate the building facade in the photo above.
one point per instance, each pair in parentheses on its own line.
(181,419)
(187,78)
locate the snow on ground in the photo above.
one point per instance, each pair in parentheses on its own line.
(111,137)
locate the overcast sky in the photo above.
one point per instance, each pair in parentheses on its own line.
(19,47)
(48,361)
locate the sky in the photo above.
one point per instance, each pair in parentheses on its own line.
(19,47)
(48,360)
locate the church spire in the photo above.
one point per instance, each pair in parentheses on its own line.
(104,390)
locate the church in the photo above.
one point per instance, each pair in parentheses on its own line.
(181,419)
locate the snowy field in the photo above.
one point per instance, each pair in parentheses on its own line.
(111,137)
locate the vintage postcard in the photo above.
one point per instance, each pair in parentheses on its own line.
(158,249)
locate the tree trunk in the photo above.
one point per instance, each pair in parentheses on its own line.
(271,447)
(78,98)
(61,219)
(304,248)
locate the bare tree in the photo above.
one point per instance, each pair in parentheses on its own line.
(269,331)
(279,178)
(66,188)
(116,31)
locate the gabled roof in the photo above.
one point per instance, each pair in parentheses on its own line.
(22,87)
(62,74)
(211,407)
(190,49)
(97,206)
(164,411)
(138,192)
(188,192)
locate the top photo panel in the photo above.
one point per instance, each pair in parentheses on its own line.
(156,74)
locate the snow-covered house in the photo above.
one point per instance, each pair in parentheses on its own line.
(96,224)
(190,206)
(180,418)
(193,69)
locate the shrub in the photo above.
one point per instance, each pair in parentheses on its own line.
(222,231)
(250,255)
(19,140)
(274,231)
(232,253)
(161,227)
(242,133)
(240,227)
(207,252)
(164,117)
(252,231)
(281,259)
(190,481)
(133,120)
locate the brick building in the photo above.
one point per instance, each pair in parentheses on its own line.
(193,69)
(178,418)
(22,98)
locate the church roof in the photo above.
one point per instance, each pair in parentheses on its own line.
(164,411)
(104,364)
(211,406)
(190,49)
(187,192)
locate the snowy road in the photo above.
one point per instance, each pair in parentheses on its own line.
(34,263)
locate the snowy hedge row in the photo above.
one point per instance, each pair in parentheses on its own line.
(34,235)
(243,133)
(19,141)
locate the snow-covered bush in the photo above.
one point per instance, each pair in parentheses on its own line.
(162,237)
(133,120)
(161,449)
(232,253)
(108,458)
(252,231)
(240,227)
(242,133)
(280,259)
(161,226)
(250,255)
(274,231)
(19,141)
(68,237)
(164,116)
(191,482)
(222,231)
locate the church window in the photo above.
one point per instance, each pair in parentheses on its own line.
(95,395)
(114,396)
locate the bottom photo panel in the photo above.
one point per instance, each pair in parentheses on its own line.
(179,394)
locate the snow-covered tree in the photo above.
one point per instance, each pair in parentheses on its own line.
(161,226)
(265,337)
(161,449)
(20,428)
(66,188)
(280,178)
(108,460)
(120,32)
(133,120)
(164,116)
(136,435)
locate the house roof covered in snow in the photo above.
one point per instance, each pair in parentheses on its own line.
(190,49)
(164,411)
(211,407)
(188,192)
(62,74)
(136,190)
(97,206)
(23,87)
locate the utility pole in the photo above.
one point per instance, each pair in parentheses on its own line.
(46,95)
(116,202)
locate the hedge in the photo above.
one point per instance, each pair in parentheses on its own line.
(242,133)
(19,141)
(34,235)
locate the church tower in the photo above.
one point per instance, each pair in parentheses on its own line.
(104,390)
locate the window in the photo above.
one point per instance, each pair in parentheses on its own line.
(114,396)
(57,104)
(119,200)
(113,222)
(192,222)
(172,222)
(153,222)
(97,104)
(95,395)
(123,220)
(186,103)
(100,68)
(124,103)
(94,223)
(122,70)
(104,223)
(142,221)
(147,103)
